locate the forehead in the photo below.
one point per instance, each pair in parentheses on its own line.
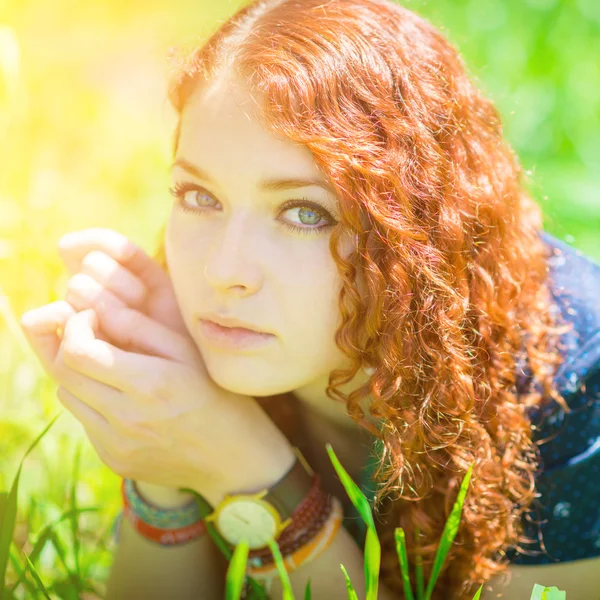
(221,123)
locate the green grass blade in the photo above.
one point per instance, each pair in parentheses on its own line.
(9,512)
(400,538)
(35,575)
(354,493)
(62,555)
(541,592)
(372,552)
(7,528)
(372,558)
(478,593)
(257,590)
(307,591)
(449,533)
(22,573)
(45,536)
(283,574)
(419,567)
(351,592)
(221,544)
(536,593)
(553,593)
(3,502)
(74,521)
(237,571)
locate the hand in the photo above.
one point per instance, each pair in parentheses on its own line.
(159,417)
(104,264)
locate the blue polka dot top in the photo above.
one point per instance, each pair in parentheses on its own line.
(565,520)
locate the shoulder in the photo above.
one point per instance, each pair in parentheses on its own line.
(565,521)
(575,285)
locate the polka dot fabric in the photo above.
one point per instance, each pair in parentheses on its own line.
(568,511)
(565,520)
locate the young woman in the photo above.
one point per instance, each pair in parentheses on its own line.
(343,191)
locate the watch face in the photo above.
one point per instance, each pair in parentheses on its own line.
(247,519)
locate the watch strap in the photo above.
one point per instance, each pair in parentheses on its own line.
(290,491)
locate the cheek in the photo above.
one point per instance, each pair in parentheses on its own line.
(314,302)
(183,256)
(182,241)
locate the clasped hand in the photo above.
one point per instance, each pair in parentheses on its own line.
(143,394)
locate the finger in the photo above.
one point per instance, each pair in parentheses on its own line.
(75,245)
(81,348)
(104,411)
(82,353)
(89,417)
(130,328)
(82,374)
(82,299)
(84,292)
(114,277)
(43,327)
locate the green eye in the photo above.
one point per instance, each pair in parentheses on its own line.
(316,209)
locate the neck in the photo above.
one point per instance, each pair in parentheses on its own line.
(334,413)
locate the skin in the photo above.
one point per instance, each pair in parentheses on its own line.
(237,258)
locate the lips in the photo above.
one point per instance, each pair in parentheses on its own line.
(232,329)
(234,338)
(232,323)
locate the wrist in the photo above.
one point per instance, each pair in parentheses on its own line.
(161,496)
(265,473)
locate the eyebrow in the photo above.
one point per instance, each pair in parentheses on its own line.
(273,185)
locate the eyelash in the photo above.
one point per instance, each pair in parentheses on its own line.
(180,189)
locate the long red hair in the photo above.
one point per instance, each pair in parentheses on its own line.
(449,248)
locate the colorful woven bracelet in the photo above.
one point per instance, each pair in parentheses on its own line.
(165,537)
(165,518)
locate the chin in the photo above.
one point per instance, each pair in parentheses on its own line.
(249,387)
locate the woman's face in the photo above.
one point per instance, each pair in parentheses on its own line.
(236,252)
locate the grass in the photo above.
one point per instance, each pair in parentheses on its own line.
(73,585)
(87,143)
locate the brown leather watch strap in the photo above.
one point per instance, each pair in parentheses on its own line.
(289,492)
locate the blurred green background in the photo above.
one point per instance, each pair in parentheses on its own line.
(86,133)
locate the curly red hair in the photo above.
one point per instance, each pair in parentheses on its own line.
(449,248)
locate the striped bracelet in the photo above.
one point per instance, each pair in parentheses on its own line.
(167,527)
(165,537)
(164,518)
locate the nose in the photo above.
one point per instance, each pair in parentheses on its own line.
(230,263)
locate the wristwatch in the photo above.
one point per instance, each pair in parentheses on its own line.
(262,516)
